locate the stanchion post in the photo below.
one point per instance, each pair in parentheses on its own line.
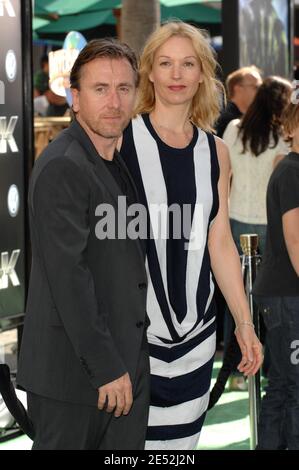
(250,261)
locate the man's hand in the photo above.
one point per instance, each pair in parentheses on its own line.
(118,395)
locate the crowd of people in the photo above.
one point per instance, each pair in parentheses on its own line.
(256,144)
(120,328)
(261,132)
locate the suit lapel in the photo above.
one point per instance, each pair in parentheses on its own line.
(125,169)
(100,169)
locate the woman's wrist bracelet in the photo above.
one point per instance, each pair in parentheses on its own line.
(244,323)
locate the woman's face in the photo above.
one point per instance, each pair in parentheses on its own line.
(176,72)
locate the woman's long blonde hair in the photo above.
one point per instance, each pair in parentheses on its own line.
(206,103)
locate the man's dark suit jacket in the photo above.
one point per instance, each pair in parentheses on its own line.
(85,315)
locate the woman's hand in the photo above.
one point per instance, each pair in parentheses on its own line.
(251,349)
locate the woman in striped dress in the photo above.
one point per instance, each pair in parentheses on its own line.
(177,164)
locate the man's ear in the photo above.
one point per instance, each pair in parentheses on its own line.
(75,98)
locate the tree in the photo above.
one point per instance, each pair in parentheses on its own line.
(138,20)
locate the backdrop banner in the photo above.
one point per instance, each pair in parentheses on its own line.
(258,32)
(12,163)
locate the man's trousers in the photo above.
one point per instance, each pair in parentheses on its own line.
(65,426)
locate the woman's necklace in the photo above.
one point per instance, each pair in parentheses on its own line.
(171,137)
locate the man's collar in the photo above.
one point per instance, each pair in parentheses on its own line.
(78,133)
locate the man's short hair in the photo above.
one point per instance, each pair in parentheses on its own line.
(102,48)
(237,77)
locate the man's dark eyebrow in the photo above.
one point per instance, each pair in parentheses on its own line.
(125,84)
(100,84)
(107,84)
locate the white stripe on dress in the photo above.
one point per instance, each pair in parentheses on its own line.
(199,329)
(172,415)
(204,198)
(186,443)
(191,361)
(156,195)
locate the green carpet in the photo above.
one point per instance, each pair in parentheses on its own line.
(226,426)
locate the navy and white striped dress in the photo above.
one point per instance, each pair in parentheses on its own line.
(180,291)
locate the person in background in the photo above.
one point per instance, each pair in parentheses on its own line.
(241,86)
(40,87)
(46,102)
(41,77)
(276,292)
(255,144)
(176,161)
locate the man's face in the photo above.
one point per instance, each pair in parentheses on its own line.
(105,101)
(248,88)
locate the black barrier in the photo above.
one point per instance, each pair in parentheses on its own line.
(16,156)
(250,261)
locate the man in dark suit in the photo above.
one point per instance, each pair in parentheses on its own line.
(84,359)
